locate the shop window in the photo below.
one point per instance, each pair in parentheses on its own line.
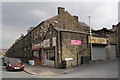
(50,55)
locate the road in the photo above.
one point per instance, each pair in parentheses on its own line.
(13,74)
(105,69)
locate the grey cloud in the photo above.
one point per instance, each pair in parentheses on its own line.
(19,16)
(119,11)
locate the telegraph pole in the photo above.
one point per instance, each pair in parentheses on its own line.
(90,40)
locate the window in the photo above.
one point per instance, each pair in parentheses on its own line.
(36,54)
(50,55)
(37,32)
(41,32)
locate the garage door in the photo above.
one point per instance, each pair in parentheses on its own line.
(98,53)
(113,52)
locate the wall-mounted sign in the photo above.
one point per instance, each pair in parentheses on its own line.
(46,43)
(35,46)
(54,41)
(76,42)
(66,59)
(97,40)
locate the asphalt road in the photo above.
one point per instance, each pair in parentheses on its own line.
(108,69)
(105,69)
(13,74)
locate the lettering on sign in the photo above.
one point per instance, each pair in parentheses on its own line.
(46,43)
(76,42)
(36,45)
(97,40)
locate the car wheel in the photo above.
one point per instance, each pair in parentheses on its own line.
(7,68)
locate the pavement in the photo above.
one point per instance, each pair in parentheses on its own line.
(51,71)
(45,70)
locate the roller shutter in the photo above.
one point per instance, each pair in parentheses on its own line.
(98,53)
(113,51)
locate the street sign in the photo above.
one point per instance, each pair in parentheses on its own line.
(66,59)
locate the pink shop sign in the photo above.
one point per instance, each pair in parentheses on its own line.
(76,42)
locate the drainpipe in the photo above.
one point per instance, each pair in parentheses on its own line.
(59,50)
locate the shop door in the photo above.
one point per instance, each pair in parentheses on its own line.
(113,51)
(37,57)
(98,53)
(44,58)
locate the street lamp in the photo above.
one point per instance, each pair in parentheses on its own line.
(90,40)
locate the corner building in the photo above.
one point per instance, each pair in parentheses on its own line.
(56,48)
(61,41)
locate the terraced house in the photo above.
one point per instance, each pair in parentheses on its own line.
(61,41)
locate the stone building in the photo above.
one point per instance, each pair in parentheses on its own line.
(61,41)
(58,47)
(55,27)
(27,47)
(117,29)
(118,35)
(22,48)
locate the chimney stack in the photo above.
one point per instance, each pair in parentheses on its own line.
(113,26)
(76,18)
(61,10)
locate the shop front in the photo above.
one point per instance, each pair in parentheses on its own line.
(37,54)
(45,52)
(49,53)
(98,51)
(48,57)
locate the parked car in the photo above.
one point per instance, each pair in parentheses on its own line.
(14,64)
(5,60)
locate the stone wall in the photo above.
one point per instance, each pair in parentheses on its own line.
(73,51)
(113,38)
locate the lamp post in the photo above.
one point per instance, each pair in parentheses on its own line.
(90,40)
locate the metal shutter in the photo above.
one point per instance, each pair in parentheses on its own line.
(113,52)
(98,53)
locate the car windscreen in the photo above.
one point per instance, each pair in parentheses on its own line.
(14,61)
(6,59)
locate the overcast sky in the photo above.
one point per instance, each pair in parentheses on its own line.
(17,17)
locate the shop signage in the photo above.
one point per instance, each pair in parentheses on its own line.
(36,45)
(46,43)
(54,41)
(76,42)
(97,40)
(67,59)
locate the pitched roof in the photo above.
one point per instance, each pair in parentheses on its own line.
(104,29)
